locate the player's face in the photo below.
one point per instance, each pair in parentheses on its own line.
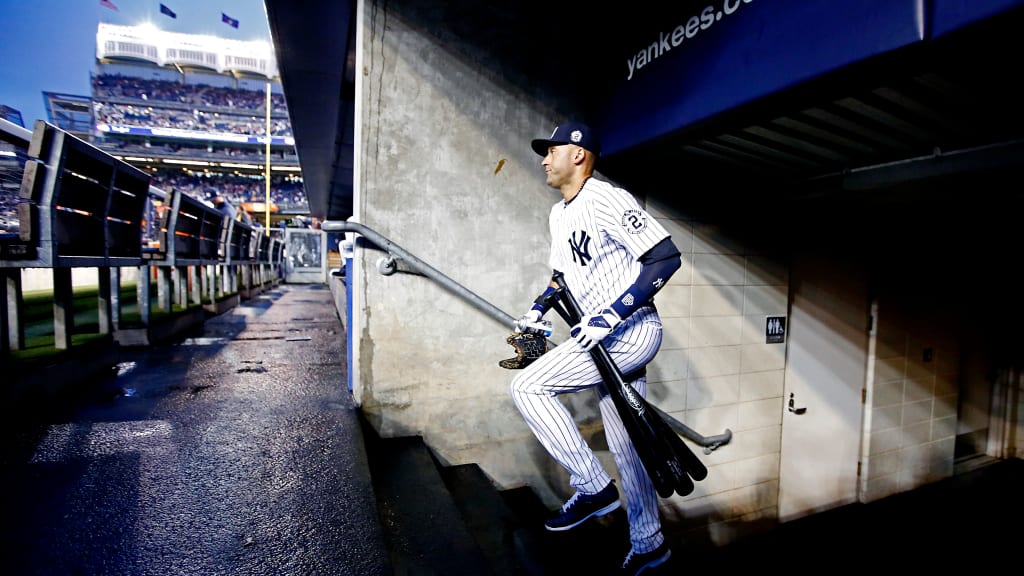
(558,164)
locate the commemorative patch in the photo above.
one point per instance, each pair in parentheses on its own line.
(634,221)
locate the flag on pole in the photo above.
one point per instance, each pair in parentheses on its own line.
(165,10)
(228,20)
(109,4)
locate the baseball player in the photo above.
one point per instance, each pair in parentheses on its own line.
(614,257)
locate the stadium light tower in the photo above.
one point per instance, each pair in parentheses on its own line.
(266,177)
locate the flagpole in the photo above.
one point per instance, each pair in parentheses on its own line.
(267,177)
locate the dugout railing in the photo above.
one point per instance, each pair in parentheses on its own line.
(80,207)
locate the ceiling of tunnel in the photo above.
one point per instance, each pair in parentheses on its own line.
(315,49)
(951,107)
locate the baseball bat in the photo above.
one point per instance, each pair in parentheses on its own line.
(669,462)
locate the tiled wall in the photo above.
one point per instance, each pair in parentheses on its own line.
(912,405)
(716,373)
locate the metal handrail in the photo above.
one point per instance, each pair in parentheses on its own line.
(396,253)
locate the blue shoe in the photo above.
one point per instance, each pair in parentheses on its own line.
(581,507)
(637,563)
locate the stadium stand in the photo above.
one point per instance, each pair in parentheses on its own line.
(160,173)
(191,111)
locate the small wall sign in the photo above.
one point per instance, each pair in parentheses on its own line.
(775,330)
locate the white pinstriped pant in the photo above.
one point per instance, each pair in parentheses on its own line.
(566,368)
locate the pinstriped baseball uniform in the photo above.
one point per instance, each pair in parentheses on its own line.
(596,240)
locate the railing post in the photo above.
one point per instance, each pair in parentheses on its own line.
(104,300)
(142,294)
(13,327)
(63,308)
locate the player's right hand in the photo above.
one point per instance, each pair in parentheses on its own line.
(592,329)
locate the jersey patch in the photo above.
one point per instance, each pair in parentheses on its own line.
(634,221)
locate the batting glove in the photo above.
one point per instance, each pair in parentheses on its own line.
(592,329)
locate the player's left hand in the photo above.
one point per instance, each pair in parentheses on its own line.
(593,328)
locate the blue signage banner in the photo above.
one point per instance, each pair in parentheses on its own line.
(733,52)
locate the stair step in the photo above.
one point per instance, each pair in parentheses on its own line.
(487,517)
(454,521)
(594,547)
(425,530)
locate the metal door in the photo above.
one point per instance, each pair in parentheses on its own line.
(825,376)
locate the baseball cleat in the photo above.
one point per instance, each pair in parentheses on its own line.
(582,507)
(637,563)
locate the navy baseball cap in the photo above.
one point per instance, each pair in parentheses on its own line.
(569,133)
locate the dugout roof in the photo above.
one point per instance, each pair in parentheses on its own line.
(793,97)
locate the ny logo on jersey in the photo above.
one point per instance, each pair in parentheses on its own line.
(580,247)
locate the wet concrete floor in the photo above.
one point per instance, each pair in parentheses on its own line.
(236,451)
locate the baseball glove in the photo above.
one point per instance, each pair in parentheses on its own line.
(528,348)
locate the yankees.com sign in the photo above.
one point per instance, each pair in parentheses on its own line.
(667,41)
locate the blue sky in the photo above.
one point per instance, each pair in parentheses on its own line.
(50,45)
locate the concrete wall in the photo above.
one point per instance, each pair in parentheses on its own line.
(716,373)
(445,171)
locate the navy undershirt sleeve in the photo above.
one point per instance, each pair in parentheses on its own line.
(659,264)
(540,304)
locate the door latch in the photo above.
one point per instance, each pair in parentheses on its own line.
(793,408)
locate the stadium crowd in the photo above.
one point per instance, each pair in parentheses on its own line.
(116,86)
(210,151)
(8,211)
(196,119)
(154,103)
(205,187)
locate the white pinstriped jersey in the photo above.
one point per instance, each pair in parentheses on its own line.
(587,237)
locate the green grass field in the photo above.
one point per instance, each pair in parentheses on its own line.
(37,317)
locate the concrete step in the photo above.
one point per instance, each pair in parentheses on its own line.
(424,529)
(453,520)
(496,529)
(597,546)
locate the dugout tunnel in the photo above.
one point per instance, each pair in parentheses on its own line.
(873,144)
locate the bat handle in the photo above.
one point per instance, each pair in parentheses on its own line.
(604,360)
(565,296)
